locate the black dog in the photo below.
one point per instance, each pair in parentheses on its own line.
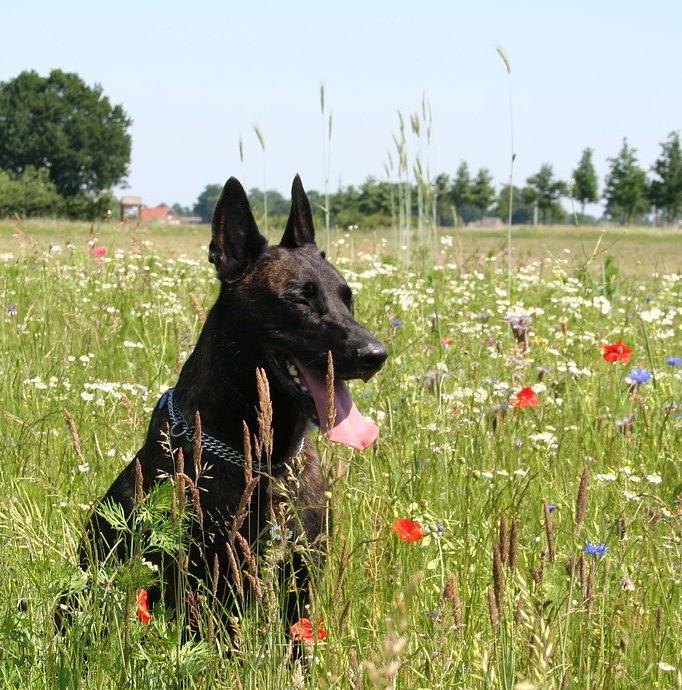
(281,309)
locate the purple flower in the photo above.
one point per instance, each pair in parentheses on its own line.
(638,376)
(596,550)
(674,361)
(12,310)
(396,323)
(551,507)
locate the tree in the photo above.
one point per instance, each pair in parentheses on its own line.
(482,192)
(460,192)
(585,183)
(625,188)
(442,185)
(545,191)
(666,189)
(207,201)
(522,212)
(29,194)
(61,124)
(180,210)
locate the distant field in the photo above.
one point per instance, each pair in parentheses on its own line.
(543,479)
(637,251)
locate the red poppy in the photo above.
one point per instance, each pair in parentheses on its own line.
(408,530)
(143,614)
(98,251)
(302,630)
(616,352)
(526,397)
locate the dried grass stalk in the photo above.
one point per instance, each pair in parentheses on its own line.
(514,544)
(139,483)
(451,596)
(196,305)
(498,578)
(549,532)
(581,501)
(182,481)
(331,410)
(504,539)
(493,612)
(196,445)
(75,438)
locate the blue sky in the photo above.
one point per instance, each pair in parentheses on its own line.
(194,76)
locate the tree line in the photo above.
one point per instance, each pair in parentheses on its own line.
(64,146)
(629,195)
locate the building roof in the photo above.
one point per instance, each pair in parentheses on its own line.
(152,213)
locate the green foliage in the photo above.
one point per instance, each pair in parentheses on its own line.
(545,191)
(522,211)
(482,192)
(666,188)
(60,123)
(31,193)
(207,202)
(584,188)
(625,189)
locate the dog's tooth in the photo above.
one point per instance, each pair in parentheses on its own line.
(292,370)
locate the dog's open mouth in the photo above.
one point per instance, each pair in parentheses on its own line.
(350,428)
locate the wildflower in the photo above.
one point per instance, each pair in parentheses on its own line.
(597,550)
(408,530)
(665,667)
(551,507)
(616,352)
(671,361)
(520,325)
(276,533)
(627,585)
(638,376)
(447,340)
(624,423)
(302,630)
(12,310)
(396,324)
(143,614)
(98,251)
(542,370)
(526,397)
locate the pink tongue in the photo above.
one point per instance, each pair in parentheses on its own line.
(350,427)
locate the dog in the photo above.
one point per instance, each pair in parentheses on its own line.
(282,312)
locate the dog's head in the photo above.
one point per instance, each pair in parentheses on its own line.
(293,307)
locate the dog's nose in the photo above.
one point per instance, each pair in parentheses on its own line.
(371,357)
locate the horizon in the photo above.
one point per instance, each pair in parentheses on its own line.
(582,77)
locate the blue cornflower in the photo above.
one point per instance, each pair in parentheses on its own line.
(396,324)
(638,376)
(551,507)
(598,550)
(674,361)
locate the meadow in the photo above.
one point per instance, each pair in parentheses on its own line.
(517,525)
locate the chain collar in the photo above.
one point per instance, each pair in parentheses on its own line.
(179,428)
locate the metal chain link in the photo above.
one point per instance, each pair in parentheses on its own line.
(179,427)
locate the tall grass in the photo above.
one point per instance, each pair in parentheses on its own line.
(504,590)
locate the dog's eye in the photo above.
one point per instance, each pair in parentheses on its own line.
(309,290)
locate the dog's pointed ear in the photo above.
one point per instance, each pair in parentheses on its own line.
(300,229)
(236,242)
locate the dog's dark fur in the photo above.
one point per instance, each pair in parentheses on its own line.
(284,299)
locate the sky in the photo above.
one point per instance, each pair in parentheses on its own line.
(196,76)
